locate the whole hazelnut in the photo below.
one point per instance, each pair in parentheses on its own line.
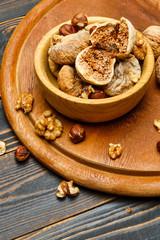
(67,29)
(79,21)
(98,94)
(158,146)
(77,133)
(21,153)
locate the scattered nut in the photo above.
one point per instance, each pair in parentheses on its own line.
(140,48)
(152,33)
(157,124)
(86,91)
(21,153)
(67,188)
(67,29)
(48,126)
(2,147)
(129,210)
(62,189)
(79,21)
(158,70)
(115,150)
(77,133)
(73,191)
(98,94)
(24,101)
(158,146)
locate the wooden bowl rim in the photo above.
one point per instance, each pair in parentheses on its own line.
(39,68)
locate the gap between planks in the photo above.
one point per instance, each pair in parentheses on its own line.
(45,229)
(65,220)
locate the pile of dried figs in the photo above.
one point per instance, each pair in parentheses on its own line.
(96,60)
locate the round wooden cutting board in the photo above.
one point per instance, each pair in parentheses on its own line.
(137,171)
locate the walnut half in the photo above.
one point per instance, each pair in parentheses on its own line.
(24,102)
(140,48)
(48,126)
(65,188)
(115,150)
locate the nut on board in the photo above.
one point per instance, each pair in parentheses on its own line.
(115,150)
(24,102)
(48,125)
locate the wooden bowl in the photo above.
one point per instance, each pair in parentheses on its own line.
(88,110)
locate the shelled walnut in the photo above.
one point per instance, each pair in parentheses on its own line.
(48,126)
(115,150)
(24,102)
(86,91)
(140,48)
(65,188)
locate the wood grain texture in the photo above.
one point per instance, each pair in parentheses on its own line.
(137,171)
(15,8)
(28,198)
(6,134)
(22,198)
(109,222)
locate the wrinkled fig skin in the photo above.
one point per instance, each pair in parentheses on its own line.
(54,67)
(68,82)
(126,74)
(152,34)
(64,49)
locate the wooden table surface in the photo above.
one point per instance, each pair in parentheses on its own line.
(29,208)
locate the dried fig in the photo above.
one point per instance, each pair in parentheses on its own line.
(95,66)
(54,67)
(69,82)
(64,49)
(127,73)
(117,37)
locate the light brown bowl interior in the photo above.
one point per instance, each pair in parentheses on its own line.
(89,110)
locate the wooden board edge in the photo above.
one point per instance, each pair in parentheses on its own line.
(87,176)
